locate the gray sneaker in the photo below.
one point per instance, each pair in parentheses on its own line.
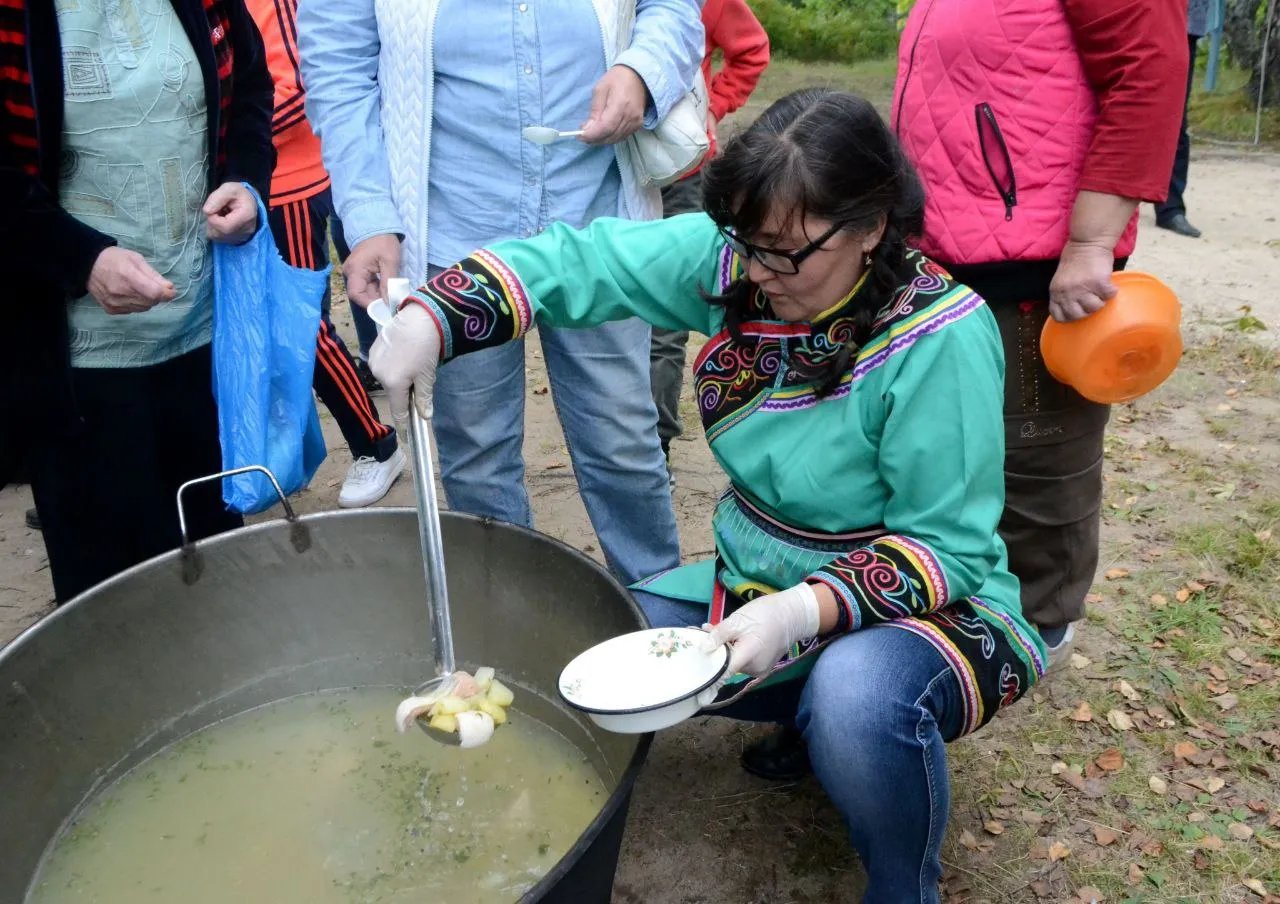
(1059,652)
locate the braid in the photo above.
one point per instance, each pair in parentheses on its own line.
(882,282)
(736,301)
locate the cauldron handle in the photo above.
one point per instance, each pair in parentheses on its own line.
(191,564)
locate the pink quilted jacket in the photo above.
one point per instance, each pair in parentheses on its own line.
(993,107)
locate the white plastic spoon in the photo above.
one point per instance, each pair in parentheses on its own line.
(546,134)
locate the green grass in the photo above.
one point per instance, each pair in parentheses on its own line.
(1226,114)
(873,79)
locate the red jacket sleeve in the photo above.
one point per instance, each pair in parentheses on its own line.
(1135,56)
(732,27)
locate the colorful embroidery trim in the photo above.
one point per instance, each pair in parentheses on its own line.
(478,303)
(892,577)
(736,378)
(960,667)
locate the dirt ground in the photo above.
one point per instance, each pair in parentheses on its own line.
(702,830)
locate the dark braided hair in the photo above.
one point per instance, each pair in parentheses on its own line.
(827,154)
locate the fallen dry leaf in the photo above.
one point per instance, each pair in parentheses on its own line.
(1182,595)
(1080,662)
(1119,720)
(1226,701)
(1089,895)
(1159,600)
(1158,785)
(1238,655)
(1127,691)
(1239,831)
(967,840)
(1211,784)
(1058,851)
(1151,847)
(1256,887)
(1083,712)
(1184,749)
(1116,574)
(1104,836)
(1135,874)
(1211,843)
(1093,599)
(1110,760)
(1263,536)
(993,827)
(1041,749)
(1058,768)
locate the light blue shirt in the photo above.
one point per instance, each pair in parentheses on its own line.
(340,46)
(522,62)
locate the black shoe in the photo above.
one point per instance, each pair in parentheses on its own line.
(33,519)
(1178,223)
(783,756)
(367,379)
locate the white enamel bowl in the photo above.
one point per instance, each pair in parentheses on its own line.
(646,680)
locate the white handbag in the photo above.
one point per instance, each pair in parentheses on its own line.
(678,143)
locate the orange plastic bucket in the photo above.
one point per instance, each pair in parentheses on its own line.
(1124,350)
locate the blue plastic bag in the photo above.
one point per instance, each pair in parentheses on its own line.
(265,318)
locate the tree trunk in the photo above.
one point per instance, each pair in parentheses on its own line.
(1242,27)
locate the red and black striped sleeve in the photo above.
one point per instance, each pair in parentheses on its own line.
(37,236)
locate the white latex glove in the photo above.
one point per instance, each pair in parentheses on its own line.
(405,357)
(760,632)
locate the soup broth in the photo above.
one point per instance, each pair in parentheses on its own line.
(318,800)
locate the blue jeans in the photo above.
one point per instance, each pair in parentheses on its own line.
(600,385)
(876,712)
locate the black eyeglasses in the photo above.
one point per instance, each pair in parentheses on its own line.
(784,263)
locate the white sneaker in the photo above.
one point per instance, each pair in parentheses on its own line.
(1061,651)
(369,479)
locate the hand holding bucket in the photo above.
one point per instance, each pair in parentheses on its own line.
(1124,350)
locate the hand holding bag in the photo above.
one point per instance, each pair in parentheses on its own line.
(265,318)
(677,144)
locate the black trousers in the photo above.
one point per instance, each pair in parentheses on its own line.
(1053,450)
(667,351)
(1174,204)
(300,231)
(106,492)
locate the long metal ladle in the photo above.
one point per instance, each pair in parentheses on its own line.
(429,537)
(424,491)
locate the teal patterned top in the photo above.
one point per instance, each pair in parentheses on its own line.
(888,489)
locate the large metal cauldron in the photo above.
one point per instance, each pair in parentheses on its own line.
(332,600)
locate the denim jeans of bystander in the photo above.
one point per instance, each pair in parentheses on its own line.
(876,713)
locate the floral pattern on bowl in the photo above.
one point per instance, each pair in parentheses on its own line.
(668,644)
